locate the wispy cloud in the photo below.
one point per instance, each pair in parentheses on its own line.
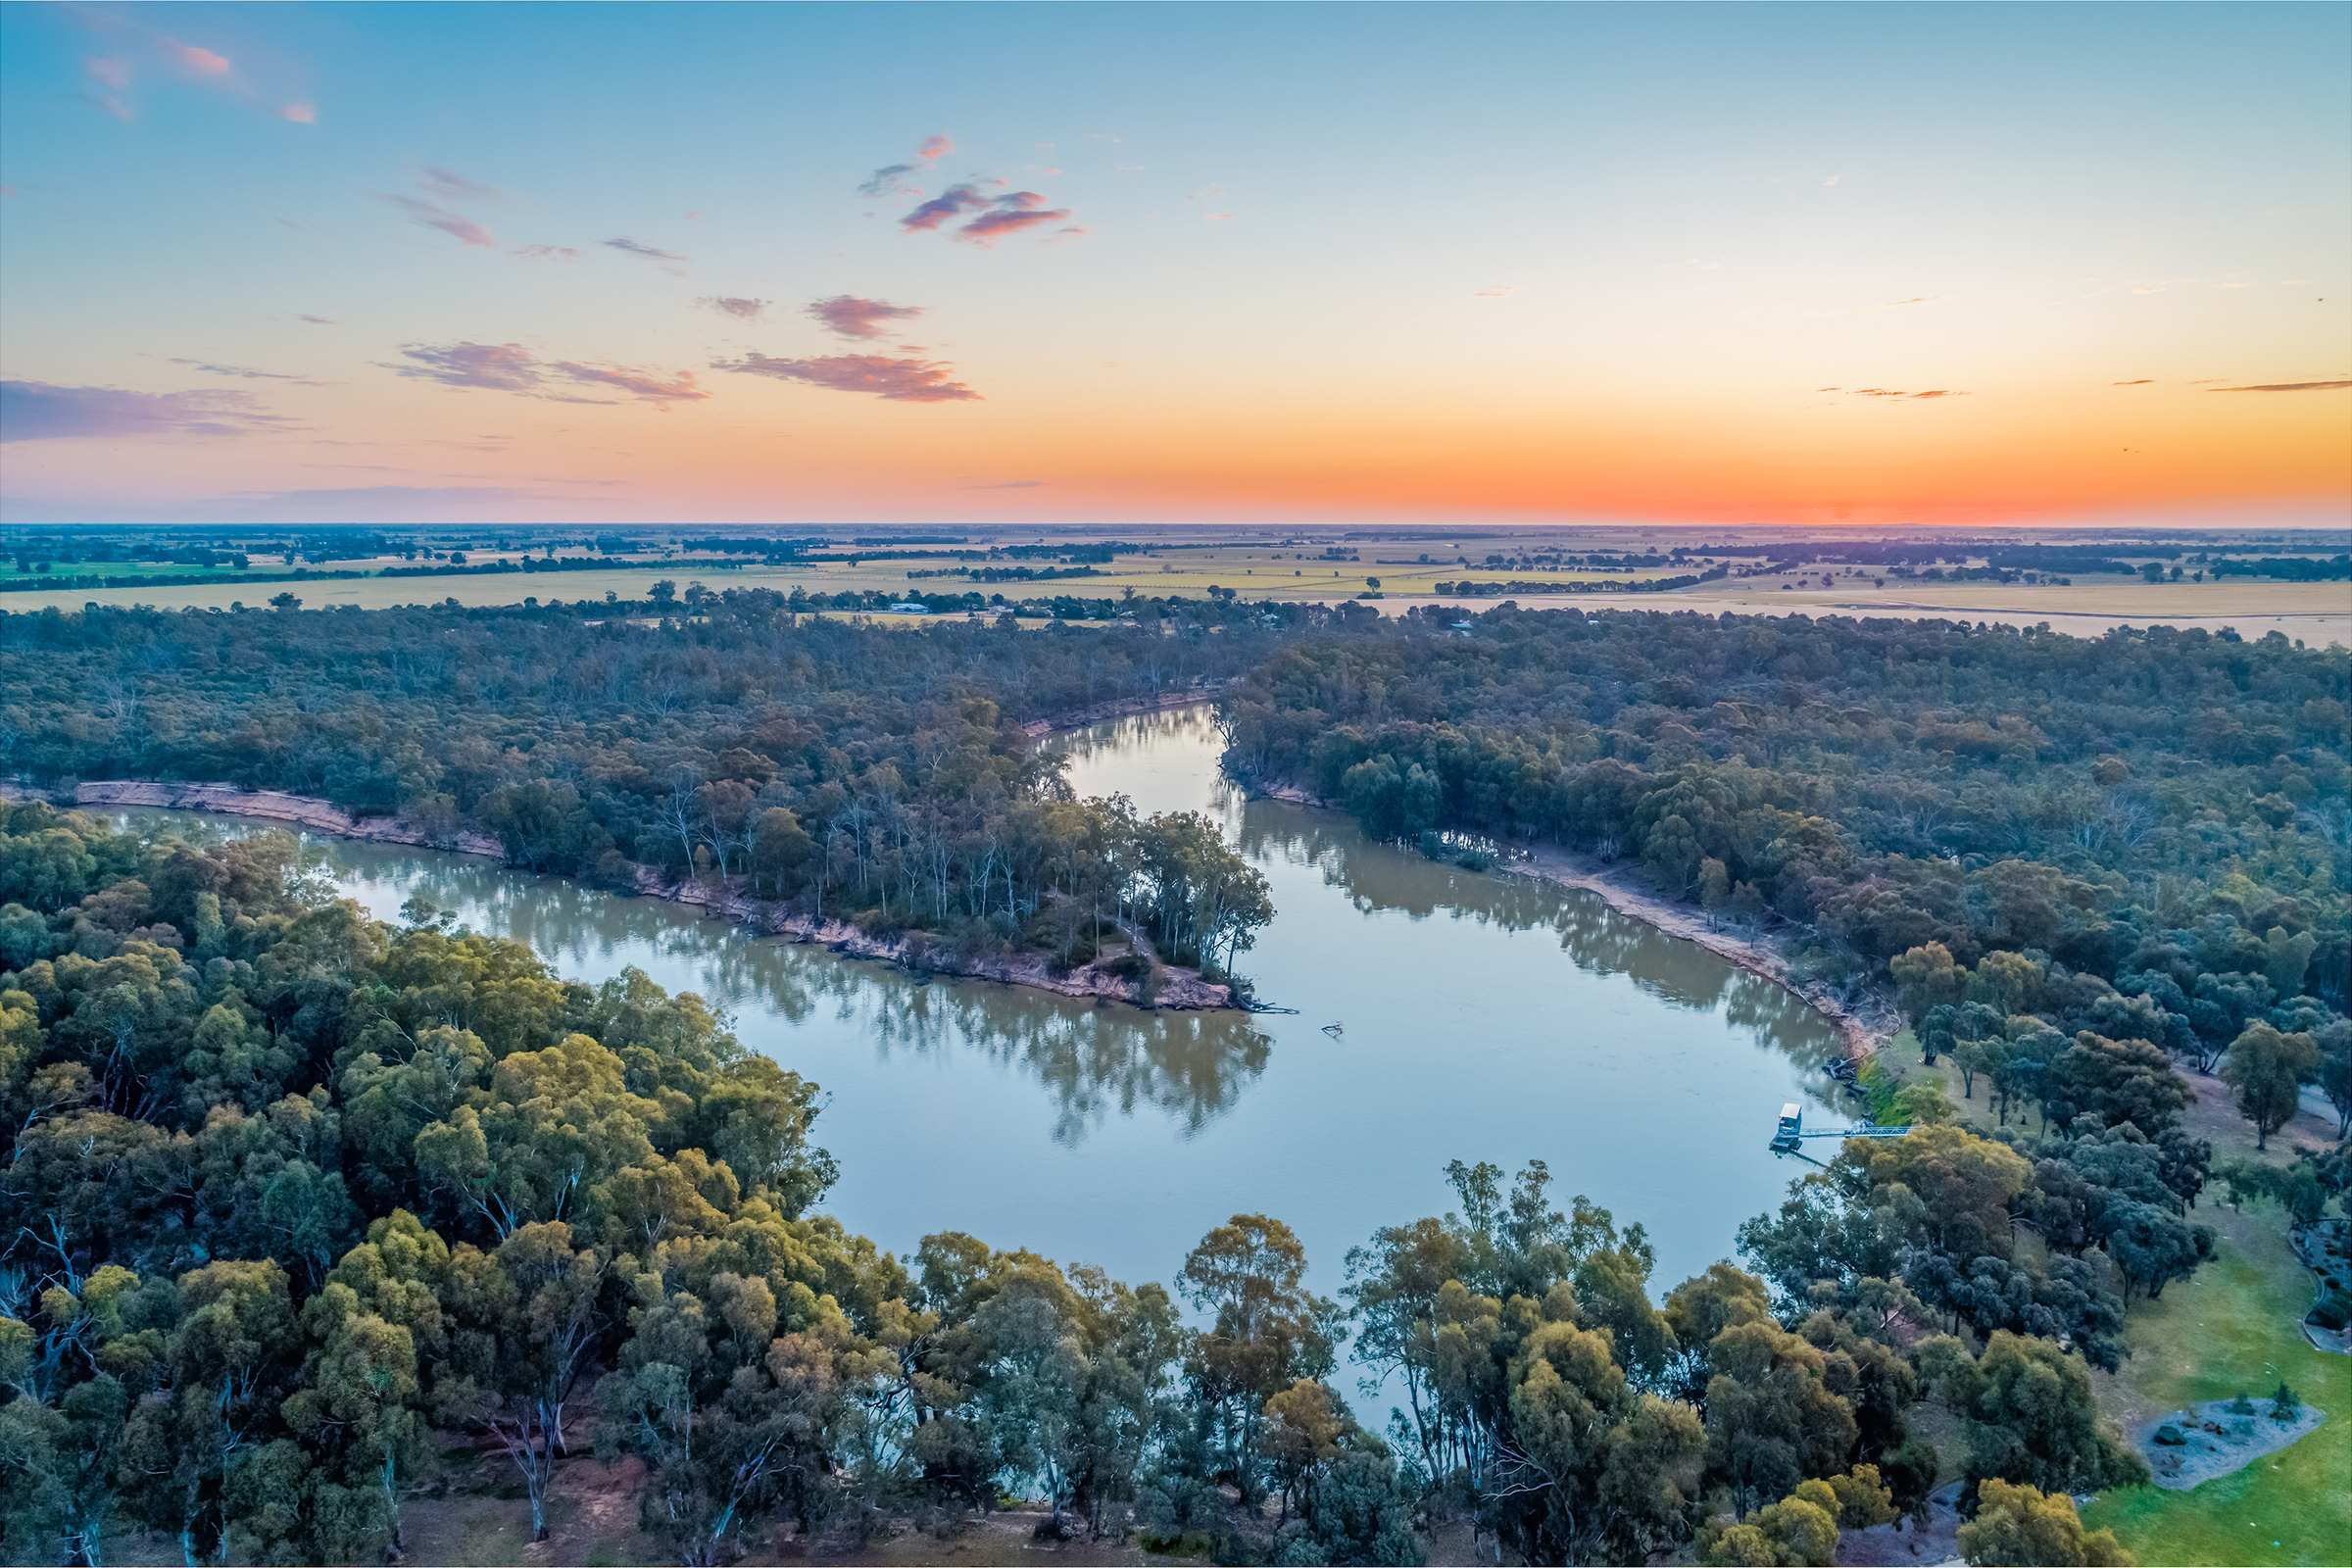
(374,498)
(727,304)
(898,380)
(1888,392)
(451,186)
(852,316)
(39,411)
(547,252)
(512,368)
(201,61)
(316,320)
(636,248)
(647,385)
(1013,484)
(189,62)
(886,179)
(467,230)
(489,366)
(244,373)
(2289,386)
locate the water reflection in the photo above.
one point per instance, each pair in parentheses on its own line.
(1094,1061)
(1485,1016)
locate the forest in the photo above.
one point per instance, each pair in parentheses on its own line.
(845,771)
(303,1207)
(2139,845)
(304,1211)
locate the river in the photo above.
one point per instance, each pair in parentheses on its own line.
(1479,1016)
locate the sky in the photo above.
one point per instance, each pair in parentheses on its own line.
(980,264)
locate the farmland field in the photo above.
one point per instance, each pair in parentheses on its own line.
(1300,569)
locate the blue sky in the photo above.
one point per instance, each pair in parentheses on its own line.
(1691,263)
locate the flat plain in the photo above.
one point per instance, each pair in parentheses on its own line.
(1300,570)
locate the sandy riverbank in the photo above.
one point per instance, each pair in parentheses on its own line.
(1124,707)
(1619,885)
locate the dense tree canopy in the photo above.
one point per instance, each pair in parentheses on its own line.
(851,771)
(2071,857)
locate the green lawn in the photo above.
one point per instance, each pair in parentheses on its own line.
(2233,1328)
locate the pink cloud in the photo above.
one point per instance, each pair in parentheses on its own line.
(852,316)
(115,72)
(203,62)
(467,230)
(648,385)
(885,180)
(300,114)
(954,200)
(112,106)
(898,380)
(38,410)
(1010,214)
(739,309)
(1883,392)
(548,252)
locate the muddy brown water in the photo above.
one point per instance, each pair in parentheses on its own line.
(1480,1016)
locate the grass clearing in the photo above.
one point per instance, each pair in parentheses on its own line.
(2235,1327)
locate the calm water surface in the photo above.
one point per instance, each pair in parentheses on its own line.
(1480,1017)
